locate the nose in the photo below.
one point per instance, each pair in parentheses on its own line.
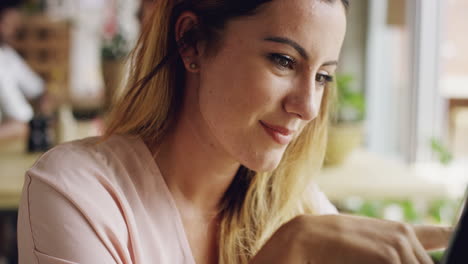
(304,101)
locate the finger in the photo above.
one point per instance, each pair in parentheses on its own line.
(407,255)
(419,251)
(433,237)
(421,254)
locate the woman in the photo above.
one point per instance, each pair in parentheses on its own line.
(209,155)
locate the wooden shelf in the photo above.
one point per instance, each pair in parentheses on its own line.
(45,46)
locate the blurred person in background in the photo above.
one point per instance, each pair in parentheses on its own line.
(20,87)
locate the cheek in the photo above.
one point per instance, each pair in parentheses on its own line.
(236,93)
(318,101)
(233,99)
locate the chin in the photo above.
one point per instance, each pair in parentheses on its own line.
(266,163)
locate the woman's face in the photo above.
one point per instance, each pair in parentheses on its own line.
(267,80)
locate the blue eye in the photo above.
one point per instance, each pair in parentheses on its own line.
(282,61)
(323,79)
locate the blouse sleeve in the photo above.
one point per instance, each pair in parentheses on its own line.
(52,230)
(322,204)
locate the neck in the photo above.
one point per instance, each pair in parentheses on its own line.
(197,171)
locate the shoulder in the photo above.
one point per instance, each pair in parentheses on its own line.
(91,174)
(70,158)
(79,163)
(72,189)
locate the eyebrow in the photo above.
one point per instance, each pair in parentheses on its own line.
(297,47)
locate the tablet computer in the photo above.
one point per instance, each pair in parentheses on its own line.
(457,250)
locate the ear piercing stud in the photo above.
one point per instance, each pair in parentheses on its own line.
(193,66)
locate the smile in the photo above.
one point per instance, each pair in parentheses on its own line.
(280,135)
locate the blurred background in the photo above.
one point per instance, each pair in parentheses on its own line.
(398,140)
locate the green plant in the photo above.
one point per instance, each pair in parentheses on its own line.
(444,155)
(115,48)
(437,256)
(438,211)
(349,105)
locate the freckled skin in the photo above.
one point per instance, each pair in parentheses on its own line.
(240,86)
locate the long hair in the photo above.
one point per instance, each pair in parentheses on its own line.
(255,204)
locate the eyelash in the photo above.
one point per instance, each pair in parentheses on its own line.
(278,58)
(289,64)
(326,78)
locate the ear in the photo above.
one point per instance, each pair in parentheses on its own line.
(185,38)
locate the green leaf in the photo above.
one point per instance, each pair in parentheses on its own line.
(347,98)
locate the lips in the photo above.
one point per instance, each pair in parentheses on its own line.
(280,135)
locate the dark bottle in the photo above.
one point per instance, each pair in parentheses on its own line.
(39,134)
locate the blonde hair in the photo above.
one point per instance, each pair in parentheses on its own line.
(255,204)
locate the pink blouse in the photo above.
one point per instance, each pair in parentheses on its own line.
(85,202)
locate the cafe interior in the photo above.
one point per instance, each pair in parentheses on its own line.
(398,133)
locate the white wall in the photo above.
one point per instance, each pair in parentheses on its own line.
(353,55)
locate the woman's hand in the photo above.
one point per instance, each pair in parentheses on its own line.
(328,239)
